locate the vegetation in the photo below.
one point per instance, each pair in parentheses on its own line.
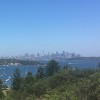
(16,83)
(17,62)
(54,83)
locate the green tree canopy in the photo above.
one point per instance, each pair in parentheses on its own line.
(40,73)
(52,67)
(16,81)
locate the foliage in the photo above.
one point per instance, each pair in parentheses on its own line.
(40,88)
(67,83)
(52,67)
(20,62)
(16,82)
(1,92)
(27,83)
(40,73)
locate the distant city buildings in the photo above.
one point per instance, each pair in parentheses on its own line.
(48,56)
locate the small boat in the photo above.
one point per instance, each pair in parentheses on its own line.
(26,71)
(70,63)
(9,77)
(7,80)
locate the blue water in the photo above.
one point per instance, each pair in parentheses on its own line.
(78,63)
(6,72)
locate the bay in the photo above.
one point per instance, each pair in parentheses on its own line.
(6,72)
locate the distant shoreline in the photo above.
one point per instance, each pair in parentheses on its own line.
(17,62)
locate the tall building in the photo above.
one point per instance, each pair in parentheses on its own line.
(38,55)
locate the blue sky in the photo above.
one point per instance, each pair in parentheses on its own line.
(50,25)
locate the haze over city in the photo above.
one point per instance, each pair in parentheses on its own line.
(50,25)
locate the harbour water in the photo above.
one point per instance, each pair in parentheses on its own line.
(6,72)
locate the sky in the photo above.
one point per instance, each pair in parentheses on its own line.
(49,25)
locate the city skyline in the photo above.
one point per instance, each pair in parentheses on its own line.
(43,53)
(44,56)
(50,25)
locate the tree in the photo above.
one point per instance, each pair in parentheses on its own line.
(40,73)
(1,86)
(16,81)
(27,83)
(29,78)
(40,88)
(52,67)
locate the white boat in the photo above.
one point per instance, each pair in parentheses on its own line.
(7,80)
(9,77)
